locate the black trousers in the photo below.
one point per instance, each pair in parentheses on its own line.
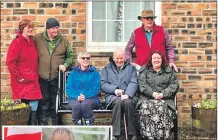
(47,104)
(118,108)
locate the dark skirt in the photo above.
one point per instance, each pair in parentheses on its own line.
(156,120)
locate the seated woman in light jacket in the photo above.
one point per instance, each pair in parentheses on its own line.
(158,86)
(83,88)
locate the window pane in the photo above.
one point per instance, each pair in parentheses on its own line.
(148,6)
(114,31)
(113,10)
(98,31)
(131,10)
(98,10)
(129,27)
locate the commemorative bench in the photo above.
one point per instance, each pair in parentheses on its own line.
(102,115)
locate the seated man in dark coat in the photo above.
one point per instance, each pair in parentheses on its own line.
(119,83)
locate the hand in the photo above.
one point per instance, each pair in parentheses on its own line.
(123,97)
(81,97)
(118,92)
(21,80)
(62,68)
(134,64)
(174,66)
(159,96)
(154,94)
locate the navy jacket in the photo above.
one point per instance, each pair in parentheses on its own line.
(125,79)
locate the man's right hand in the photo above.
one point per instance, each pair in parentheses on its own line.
(118,92)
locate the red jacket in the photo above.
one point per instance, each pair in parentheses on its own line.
(143,49)
(22,62)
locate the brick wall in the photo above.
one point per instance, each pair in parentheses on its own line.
(192,27)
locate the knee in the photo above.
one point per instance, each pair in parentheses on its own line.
(127,102)
(118,104)
(85,106)
(72,105)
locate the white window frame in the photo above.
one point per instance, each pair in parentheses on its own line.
(109,46)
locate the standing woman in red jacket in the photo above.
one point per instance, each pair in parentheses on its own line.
(22,62)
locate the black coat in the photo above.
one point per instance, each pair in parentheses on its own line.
(164,81)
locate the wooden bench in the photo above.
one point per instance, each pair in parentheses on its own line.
(102,115)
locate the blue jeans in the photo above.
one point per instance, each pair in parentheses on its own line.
(82,109)
(33,103)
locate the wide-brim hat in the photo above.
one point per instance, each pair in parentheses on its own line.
(147,13)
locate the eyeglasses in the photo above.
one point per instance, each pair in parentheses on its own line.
(149,18)
(87,58)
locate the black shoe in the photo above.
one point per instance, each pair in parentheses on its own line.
(116,138)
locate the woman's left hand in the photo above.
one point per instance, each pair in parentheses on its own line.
(159,96)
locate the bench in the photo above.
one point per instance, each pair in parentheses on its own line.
(62,101)
(102,115)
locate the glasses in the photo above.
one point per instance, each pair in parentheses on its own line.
(149,18)
(87,58)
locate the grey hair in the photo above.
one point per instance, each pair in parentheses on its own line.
(80,54)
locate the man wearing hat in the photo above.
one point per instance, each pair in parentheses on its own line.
(147,38)
(55,53)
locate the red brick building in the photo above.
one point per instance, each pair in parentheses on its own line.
(192,27)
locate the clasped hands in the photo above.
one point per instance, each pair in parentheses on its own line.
(120,93)
(81,97)
(157,96)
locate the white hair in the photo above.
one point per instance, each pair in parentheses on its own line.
(118,51)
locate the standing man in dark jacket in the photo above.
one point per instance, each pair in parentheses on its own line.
(119,83)
(148,38)
(55,53)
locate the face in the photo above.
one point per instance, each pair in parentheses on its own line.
(53,32)
(84,60)
(119,59)
(156,60)
(148,22)
(27,30)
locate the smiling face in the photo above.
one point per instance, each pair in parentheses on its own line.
(84,60)
(156,61)
(27,31)
(53,32)
(119,58)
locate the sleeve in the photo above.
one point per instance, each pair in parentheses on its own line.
(70,57)
(133,85)
(72,91)
(173,87)
(106,86)
(169,47)
(129,47)
(144,87)
(12,59)
(96,85)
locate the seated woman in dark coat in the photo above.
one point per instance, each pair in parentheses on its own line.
(158,86)
(119,83)
(83,88)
